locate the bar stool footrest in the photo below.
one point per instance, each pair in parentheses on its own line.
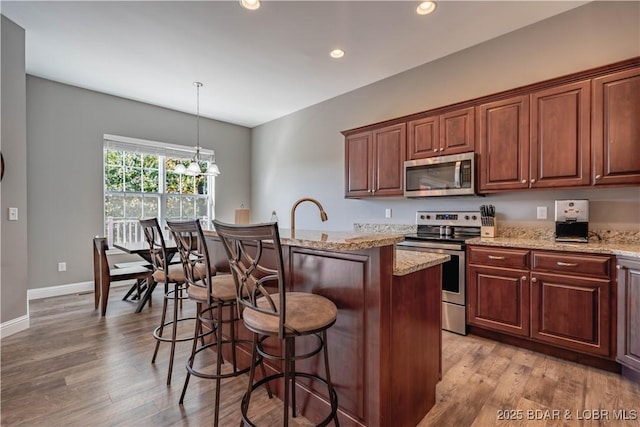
(244,407)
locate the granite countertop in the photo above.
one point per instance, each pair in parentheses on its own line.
(628,249)
(410,261)
(333,240)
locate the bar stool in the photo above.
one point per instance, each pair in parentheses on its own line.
(285,315)
(164,272)
(213,295)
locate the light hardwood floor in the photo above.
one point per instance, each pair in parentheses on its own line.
(74,368)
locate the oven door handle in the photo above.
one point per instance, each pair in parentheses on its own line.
(413,245)
(457,177)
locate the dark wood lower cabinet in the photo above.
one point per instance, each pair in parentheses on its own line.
(629,314)
(571,312)
(499,299)
(385,347)
(560,299)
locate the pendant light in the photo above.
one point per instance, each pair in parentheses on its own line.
(194,166)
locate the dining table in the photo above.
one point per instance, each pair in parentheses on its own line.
(142,250)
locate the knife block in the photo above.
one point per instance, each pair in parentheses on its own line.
(489,230)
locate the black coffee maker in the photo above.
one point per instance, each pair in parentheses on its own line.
(572,221)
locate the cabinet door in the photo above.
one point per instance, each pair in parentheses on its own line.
(571,312)
(389,154)
(616,128)
(503,139)
(358,161)
(457,131)
(629,313)
(560,136)
(423,138)
(498,299)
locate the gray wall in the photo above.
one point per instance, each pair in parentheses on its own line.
(303,154)
(13,189)
(64,158)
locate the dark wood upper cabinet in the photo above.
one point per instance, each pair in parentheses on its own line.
(503,144)
(389,148)
(574,131)
(560,136)
(358,160)
(441,134)
(457,131)
(423,138)
(616,128)
(374,162)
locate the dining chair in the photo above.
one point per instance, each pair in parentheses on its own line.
(168,274)
(215,297)
(255,257)
(103,274)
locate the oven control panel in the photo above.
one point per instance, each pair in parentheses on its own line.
(457,219)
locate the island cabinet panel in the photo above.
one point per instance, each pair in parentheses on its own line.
(571,312)
(503,144)
(414,353)
(629,314)
(344,280)
(560,136)
(616,128)
(384,349)
(499,299)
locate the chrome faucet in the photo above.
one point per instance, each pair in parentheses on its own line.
(323,214)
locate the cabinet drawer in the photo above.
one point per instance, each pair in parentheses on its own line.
(584,265)
(513,258)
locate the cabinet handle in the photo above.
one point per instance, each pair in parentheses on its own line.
(534,280)
(598,177)
(435,150)
(532,181)
(566,264)
(495,257)
(523,278)
(524,181)
(441,148)
(619,267)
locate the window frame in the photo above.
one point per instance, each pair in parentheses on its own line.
(131,229)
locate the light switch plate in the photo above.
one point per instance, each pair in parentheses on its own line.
(13,214)
(387,213)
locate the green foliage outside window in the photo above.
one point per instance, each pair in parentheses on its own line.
(133,184)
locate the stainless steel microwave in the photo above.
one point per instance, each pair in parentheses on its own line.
(452,175)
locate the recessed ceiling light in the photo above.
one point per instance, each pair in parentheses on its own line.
(250,4)
(336,53)
(426,7)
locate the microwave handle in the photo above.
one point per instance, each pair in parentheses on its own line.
(456,173)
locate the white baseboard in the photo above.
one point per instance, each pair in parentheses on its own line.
(14,326)
(71,288)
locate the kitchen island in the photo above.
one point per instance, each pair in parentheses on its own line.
(385,347)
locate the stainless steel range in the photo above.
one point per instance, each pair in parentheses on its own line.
(446,233)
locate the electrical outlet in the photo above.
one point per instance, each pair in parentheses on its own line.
(387,213)
(541,212)
(13,214)
(62,266)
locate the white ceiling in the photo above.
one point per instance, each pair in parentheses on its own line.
(255,66)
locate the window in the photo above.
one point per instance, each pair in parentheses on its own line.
(139,182)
